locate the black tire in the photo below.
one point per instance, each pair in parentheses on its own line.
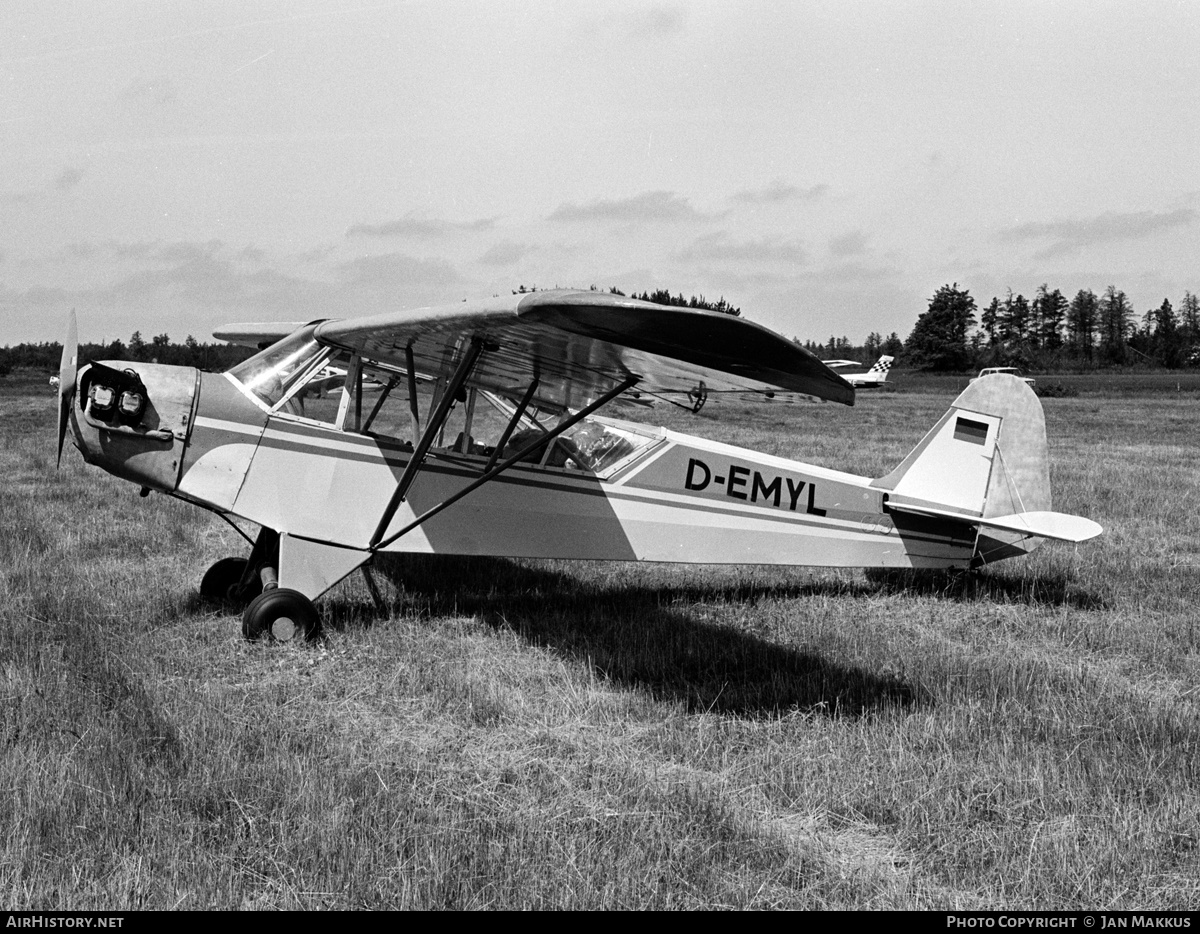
(281,615)
(220,583)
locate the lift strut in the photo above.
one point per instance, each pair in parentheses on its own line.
(547,438)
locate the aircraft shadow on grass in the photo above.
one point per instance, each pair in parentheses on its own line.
(649,638)
(1058,589)
(655,638)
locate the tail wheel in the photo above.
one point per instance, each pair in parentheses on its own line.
(281,615)
(220,582)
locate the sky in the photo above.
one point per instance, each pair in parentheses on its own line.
(169,167)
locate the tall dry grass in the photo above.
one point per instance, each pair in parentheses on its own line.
(573,735)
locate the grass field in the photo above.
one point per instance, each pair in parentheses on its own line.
(574,735)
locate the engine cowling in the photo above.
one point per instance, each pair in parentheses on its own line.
(134,419)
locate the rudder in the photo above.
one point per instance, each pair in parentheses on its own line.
(880,369)
(987,457)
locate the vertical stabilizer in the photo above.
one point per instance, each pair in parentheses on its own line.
(878,373)
(1021,474)
(987,457)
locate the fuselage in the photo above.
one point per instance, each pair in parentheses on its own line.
(668,497)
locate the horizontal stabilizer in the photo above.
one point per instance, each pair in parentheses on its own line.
(1056,525)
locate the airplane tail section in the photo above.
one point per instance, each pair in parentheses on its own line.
(986,462)
(879,371)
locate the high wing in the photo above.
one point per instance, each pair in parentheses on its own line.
(578,345)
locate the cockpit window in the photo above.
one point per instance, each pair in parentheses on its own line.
(273,372)
(299,377)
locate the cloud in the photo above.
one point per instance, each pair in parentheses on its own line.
(778,191)
(851,273)
(192,287)
(417,229)
(505,254)
(202,282)
(657,22)
(133,250)
(117,251)
(654,207)
(65,180)
(1069,235)
(183,252)
(851,244)
(392,272)
(68,178)
(723,248)
(316,255)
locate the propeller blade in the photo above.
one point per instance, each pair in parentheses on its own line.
(66,380)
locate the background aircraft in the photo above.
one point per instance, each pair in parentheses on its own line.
(871,379)
(1012,370)
(484,440)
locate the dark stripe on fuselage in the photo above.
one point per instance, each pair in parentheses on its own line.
(374,450)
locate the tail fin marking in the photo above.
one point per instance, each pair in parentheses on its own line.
(880,369)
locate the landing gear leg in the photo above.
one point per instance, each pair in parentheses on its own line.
(273,612)
(222,583)
(237,581)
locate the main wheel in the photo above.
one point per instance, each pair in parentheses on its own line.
(281,615)
(220,583)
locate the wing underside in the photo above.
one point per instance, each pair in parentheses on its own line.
(578,345)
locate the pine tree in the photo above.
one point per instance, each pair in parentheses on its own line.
(1050,309)
(939,339)
(1189,318)
(1116,321)
(1168,343)
(989,320)
(1082,316)
(1014,322)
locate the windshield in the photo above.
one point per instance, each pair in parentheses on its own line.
(271,373)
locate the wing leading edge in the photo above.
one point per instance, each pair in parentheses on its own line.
(579,344)
(257,335)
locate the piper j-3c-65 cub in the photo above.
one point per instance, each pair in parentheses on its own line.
(471,429)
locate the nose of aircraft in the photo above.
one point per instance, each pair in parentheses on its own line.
(132,419)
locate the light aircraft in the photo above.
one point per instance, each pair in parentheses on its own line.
(485,440)
(872,379)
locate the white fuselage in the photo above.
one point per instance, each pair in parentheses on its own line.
(677,498)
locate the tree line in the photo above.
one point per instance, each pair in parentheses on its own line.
(875,346)
(664,297)
(220,356)
(1046,332)
(1051,331)
(159,349)
(659,297)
